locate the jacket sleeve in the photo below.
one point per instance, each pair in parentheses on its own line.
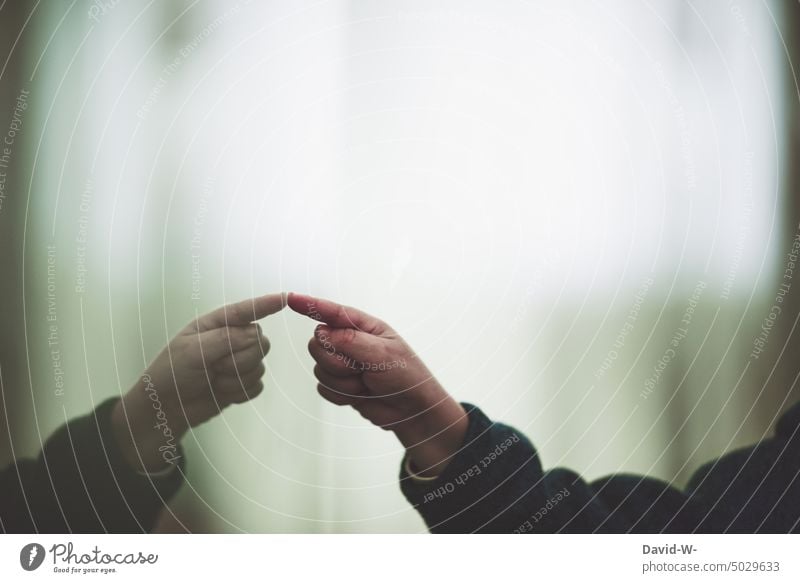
(80,483)
(496,484)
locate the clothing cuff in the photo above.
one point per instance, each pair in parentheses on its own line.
(468,487)
(413,475)
(170,469)
(143,495)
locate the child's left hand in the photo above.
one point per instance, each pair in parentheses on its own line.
(213,362)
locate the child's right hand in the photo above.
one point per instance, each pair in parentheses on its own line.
(364,363)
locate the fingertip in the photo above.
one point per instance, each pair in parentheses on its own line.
(269,304)
(299,302)
(323,333)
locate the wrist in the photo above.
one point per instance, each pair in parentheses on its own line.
(145,440)
(434,436)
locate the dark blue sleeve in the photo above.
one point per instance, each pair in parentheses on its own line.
(81,484)
(496,484)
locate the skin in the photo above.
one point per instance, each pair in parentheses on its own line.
(212,363)
(359,363)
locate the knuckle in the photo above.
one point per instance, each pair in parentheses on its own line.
(184,346)
(194,326)
(224,365)
(330,395)
(319,373)
(224,335)
(326,382)
(255,389)
(234,313)
(223,385)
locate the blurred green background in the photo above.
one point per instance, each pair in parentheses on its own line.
(535,194)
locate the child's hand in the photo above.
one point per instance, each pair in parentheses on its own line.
(364,363)
(213,362)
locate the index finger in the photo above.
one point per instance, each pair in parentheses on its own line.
(335,315)
(243,312)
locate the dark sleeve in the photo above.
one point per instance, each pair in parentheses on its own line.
(81,484)
(496,484)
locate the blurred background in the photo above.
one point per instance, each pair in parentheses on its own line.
(580,214)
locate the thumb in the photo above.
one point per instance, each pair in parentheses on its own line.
(334,314)
(220,342)
(356,344)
